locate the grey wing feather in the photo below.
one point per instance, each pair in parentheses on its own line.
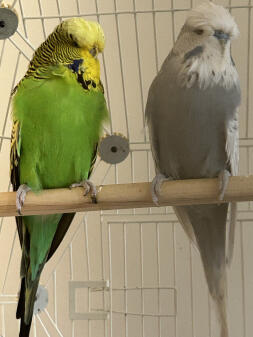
(232,150)
(232,144)
(154,143)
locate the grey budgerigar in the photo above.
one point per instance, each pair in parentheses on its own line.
(192,115)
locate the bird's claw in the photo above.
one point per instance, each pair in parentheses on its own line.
(21,195)
(156,186)
(88,187)
(223,183)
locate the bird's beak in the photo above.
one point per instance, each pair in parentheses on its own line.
(221,35)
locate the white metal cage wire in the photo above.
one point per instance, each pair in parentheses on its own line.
(156,281)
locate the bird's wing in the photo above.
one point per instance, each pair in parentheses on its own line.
(67,218)
(232,144)
(232,150)
(15,154)
(14,167)
(93,160)
(155,149)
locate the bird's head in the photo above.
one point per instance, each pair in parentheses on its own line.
(204,46)
(82,34)
(209,25)
(72,40)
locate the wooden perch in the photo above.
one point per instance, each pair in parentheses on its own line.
(181,192)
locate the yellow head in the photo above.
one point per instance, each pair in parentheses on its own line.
(72,39)
(83,34)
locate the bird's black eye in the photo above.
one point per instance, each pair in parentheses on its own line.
(199,31)
(75,44)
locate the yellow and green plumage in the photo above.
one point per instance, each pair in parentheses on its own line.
(58,111)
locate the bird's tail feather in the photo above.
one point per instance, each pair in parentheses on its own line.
(222,315)
(209,226)
(26,302)
(30,297)
(219,296)
(24,328)
(21,301)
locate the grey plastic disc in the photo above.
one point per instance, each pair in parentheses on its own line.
(41,300)
(8,23)
(113,149)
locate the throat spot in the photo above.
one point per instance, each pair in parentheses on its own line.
(204,72)
(75,66)
(85,84)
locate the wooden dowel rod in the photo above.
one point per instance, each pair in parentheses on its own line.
(120,196)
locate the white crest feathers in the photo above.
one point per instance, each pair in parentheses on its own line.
(214,17)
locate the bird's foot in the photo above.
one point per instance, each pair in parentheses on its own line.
(88,187)
(223,183)
(21,195)
(156,186)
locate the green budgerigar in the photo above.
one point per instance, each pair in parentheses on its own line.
(58,112)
